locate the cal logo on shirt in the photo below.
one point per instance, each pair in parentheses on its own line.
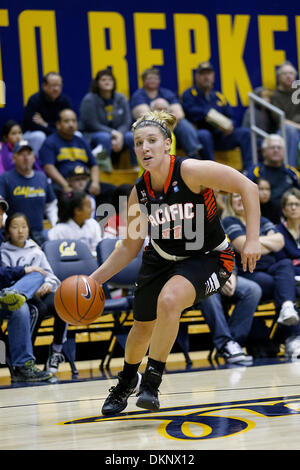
(72,154)
(28,191)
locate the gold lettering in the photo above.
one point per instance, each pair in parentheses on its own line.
(4,21)
(72,154)
(232,37)
(29,20)
(297,21)
(146,56)
(192,46)
(66,250)
(109,27)
(28,191)
(269,56)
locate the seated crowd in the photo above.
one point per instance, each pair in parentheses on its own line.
(50,171)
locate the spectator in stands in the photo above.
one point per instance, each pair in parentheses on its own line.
(229,337)
(41,111)
(290,229)
(18,250)
(63,150)
(75,220)
(276,278)
(267,208)
(11,133)
(105,117)
(283,99)
(78,179)
(28,191)
(116,225)
(19,284)
(210,111)
(280,176)
(140,103)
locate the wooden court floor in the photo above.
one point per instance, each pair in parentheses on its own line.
(202,408)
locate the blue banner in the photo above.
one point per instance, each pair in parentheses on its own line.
(245,42)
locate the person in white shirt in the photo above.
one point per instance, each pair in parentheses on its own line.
(19,250)
(76,222)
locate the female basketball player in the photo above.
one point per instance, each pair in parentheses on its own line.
(187,258)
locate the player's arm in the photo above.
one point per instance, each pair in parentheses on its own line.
(127,249)
(198,174)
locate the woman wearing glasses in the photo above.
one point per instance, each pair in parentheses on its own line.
(290,229)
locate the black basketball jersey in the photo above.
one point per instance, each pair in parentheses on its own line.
(180,221)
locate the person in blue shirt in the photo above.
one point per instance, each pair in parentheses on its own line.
(281,176)
(290,229)
(231,334)
(275,277)
(42,108)
(140,103)
(64,150)
(198,102)
(28,191)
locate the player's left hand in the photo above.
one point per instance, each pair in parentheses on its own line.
(251,253)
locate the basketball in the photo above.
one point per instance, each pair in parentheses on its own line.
(79,300)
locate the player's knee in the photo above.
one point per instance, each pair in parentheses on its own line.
(168,305)
(143,330)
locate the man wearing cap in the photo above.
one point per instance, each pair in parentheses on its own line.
(18,284)
(210,111)
(142,99)
(28,191)
(78,179)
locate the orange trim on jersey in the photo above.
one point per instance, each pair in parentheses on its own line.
(210,203)
(227,259)
(167,182)
(148,185)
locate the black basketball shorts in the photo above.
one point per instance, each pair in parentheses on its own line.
(207,272)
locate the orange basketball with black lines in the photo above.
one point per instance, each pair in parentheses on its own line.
(79,300)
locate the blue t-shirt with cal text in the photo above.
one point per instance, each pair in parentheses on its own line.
(65,155)
(27,195)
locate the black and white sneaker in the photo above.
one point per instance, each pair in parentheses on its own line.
(54,359)
(118,396)
(233,353)
(148,394)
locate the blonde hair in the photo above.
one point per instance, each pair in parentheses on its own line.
(162,119)
(228,209)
